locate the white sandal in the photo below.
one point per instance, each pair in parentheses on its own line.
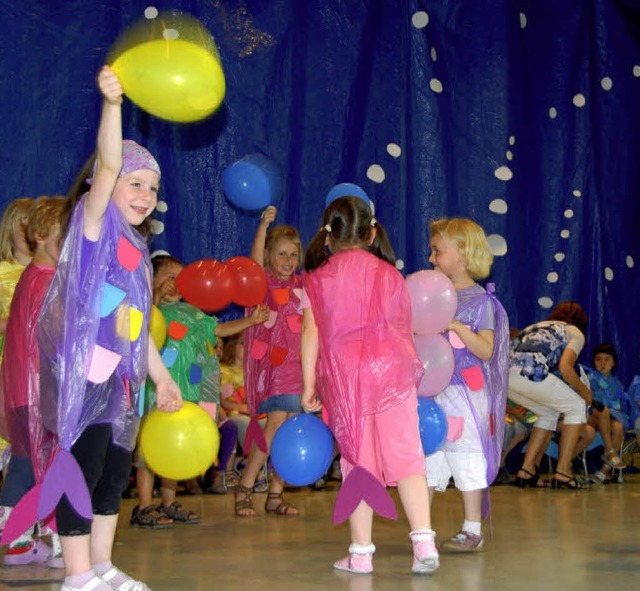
(128,585)
(613,460)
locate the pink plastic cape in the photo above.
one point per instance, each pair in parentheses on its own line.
(272,363)
(189,354)
(20,373)
(93,334)
(367,361)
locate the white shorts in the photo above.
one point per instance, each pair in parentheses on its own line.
(469,470)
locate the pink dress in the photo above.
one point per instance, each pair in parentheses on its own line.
(367,362)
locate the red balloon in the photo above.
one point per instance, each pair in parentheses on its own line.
(207,284)
(251,281)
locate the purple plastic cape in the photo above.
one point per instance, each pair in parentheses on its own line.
(93,334)
(367,361)
(272,363)
(493,378)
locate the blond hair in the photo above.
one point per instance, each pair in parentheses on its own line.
(44,213)
(278,233)
(471,241)
(17,212)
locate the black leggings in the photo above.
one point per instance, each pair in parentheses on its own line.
(106,468)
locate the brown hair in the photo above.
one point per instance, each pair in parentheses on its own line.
(16,212)
(351,222)
(44,213)
(571,313)
(229,348)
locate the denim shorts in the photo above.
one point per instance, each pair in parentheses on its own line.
(281,402)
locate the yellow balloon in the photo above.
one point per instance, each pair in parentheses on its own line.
(179,445)
(158,327)
(170,67)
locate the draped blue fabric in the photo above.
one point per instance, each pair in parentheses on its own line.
(522,115)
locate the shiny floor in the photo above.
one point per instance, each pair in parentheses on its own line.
(542,539)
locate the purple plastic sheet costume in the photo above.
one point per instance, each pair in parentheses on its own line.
(93,333)
(367,361)
(474,378)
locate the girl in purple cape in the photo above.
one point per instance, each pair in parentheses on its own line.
(475,400)
(94,340)
(358,356)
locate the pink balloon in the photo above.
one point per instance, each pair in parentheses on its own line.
(436,355)
(433,301)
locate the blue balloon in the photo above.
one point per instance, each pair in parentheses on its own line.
(302,450)
(253,182)
(433,425)
(346,190)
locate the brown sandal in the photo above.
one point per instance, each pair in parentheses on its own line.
(282,508)
(244,501)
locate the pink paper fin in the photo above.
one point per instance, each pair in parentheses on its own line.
(361,485)
(64,477)
(23,516)
(103,364)
(254,435)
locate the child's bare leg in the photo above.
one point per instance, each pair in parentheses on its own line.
(414,496)
(360,524)
(276,484)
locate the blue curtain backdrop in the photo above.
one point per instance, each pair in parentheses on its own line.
(520,114)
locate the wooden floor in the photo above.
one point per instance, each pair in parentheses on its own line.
(543,540)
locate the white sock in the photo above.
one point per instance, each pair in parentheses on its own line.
(473,527)
(419,535)
(361,548)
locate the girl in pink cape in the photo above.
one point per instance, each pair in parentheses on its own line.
(359,359)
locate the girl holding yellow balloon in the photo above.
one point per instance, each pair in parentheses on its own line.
(98,309)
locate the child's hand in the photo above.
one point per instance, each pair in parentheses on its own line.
(260,314)
(168,396)
(110,86)
(455,326)
(268,216)
(310,402)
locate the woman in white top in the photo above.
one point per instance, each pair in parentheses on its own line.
(543,379)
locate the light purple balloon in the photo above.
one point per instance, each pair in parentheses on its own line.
(433,301)
(436,355)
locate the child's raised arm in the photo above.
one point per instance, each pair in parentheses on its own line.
(108,156)
(267,218)
(259,315)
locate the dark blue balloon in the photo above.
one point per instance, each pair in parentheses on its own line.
(302,450)
(433,425)
(253,182)
(346,190)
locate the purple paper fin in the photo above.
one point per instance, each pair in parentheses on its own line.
(23,516)
(64,477)
(360,485)
(254,435)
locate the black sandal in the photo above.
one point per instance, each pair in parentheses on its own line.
(571,482)
(178,513)
(151,517)
(533,481)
